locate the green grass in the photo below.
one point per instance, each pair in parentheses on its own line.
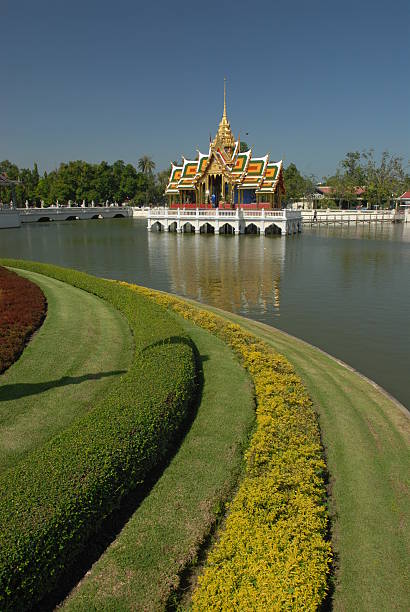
(54,501)
(82,347)
(141,568)
(366,439)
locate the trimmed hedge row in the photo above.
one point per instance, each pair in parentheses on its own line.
(273,553)
(52,503)
(22,310)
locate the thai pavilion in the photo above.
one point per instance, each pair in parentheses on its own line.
(226,177)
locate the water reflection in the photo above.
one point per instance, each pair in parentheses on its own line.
(346,290)
(240,274)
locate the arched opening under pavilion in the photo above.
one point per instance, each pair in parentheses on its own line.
(207,228)
(273,230)
(157,227)
(226,228)
(188,228)
(251,228)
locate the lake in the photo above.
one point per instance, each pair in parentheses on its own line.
(345,290)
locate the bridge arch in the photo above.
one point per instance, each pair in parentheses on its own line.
(188,228)
(227,228)
(207,228)
(71,218)
(119,216)
(43,219)
(96,217)
(252,228)
(273,229)
(157,227)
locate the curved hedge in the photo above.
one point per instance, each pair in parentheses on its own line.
(22,310)
(273,553)
(55,500)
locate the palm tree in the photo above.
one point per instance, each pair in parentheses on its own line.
(146,165)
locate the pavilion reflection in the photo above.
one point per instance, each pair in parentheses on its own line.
(239,274)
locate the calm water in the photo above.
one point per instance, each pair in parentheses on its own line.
(344,290)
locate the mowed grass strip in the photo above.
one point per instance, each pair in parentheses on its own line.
(54,501)
(366,438)
(83,346)
(141,568)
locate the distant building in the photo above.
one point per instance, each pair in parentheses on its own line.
(330,191)
(324,192)
(404,199)
(226,176)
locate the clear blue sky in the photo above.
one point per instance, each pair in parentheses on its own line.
(308,80)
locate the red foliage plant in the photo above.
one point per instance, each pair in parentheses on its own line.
(23,307)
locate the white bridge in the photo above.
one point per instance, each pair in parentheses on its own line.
(219,221)
(70,213)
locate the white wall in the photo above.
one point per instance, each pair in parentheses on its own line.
(9,218)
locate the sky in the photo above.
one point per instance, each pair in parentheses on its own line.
(307,81)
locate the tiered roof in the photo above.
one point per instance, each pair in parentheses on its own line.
(240,168)
(243,171)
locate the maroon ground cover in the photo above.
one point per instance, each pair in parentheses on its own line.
(22,311)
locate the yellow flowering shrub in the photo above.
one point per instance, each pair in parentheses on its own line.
(272,553)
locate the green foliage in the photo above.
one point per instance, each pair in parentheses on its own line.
(297,186)
(27,189)
(272,553)
(53,502)
(243,147)
(79,180)
(146,164)
(382,180)
(162,538)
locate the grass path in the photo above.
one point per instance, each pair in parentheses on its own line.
(366,438)
(140,569)
(82,346)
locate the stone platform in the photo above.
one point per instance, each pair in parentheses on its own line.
(217,221)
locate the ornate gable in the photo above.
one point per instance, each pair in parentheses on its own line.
(176,172)
(273,177)
(255,172)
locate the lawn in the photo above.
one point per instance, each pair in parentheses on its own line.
(366,437)
(141,568)
(364,431)
(55,500)
(82,347)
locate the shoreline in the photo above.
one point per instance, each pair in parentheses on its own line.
(270,328)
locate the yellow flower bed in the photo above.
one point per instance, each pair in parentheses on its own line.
(273,553)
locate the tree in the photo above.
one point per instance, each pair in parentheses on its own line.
(384,180)
(146,165)
(294,183)
(243,147)
(298,186)
(381,181)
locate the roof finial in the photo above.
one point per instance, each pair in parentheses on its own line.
(224,96)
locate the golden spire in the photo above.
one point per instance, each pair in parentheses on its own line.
(224,137)
(224,97)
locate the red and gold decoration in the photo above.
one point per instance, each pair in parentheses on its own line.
(225,176)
